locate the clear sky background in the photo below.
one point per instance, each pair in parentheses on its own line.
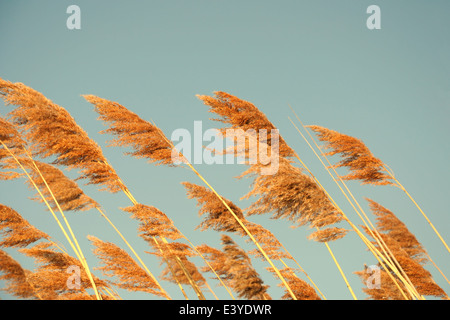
(388,87)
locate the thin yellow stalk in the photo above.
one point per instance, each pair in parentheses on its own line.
(116,293)
(211,290)
(440,271)
(108,292)
(340,270)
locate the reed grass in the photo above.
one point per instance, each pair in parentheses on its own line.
(38,137)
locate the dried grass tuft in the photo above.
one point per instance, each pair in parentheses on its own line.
(357,157)
(52,132)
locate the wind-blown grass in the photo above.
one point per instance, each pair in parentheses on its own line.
(39,137)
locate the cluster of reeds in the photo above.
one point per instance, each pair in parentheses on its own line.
(39,138)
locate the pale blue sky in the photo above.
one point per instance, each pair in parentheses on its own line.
(388,87)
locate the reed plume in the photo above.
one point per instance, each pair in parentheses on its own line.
(407,251)
(217,261)
(387,290)
(155,228)
(117,263)
(48,178)
(241,114)
(216,257)
(17,231)
(301,289)
(67,193)
(17,282)
(10,140)
(179,269)
(153,223)
(390,224)
(52,132)
(290,194)
(235,268)
(217,217)
(52,266)
(357,157)
(145,139)
(247,282)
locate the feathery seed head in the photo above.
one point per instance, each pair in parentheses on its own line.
(356,157)
(52,132)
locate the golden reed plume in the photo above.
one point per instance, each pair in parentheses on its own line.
(10,140)
(408,252)
(153,223)
(302,290)
(16,278)
(356,157)
(146,140)
(16,231)
(216,217)
(390,224)
(52,266)
(52,263)
(235,268)
(52,132)
(68,194)
(126,272)
(241,114)
(290,194)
